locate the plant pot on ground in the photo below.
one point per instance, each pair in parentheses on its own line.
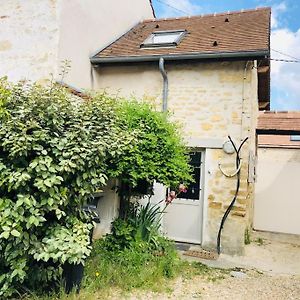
(72,276)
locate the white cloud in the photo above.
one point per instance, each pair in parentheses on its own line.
(277,9)
(184,7)
(285,76)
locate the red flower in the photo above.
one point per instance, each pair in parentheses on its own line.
(182,188)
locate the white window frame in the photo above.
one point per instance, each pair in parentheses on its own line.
(148,44)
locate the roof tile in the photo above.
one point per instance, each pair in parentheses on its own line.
(247,30)
(275,121)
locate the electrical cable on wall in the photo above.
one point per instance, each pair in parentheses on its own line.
(238,174)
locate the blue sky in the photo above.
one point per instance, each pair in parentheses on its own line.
(285,37)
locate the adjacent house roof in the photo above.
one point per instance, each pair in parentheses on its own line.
(233,34)
(281,123)
(277,141)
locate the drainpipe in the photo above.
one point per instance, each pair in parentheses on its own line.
(165,83)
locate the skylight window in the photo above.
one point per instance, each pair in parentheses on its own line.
(164,39)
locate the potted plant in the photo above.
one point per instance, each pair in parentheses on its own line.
(69,245)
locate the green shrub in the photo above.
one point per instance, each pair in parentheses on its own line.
(158,153)
(52,157)
(55,152)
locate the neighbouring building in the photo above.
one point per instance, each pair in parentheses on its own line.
(213,72)
(277,202)
(37,35)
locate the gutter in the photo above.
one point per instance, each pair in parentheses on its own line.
(173,57)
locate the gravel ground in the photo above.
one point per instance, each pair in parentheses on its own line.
(272,271)
(255,285)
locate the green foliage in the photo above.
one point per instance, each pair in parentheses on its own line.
(134,267)
(55,151)
(157,153)
(52,157)
(65,243)
(247,238)
(141,225)
(260,241)
(146,220)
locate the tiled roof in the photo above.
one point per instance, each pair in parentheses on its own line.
(277,141)
(279,122)
(243,31)
(73,91)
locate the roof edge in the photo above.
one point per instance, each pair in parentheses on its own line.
(281,146)
(266,8)
(255,54)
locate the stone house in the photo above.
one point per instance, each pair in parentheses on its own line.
(212,73)
(36,36)
(277,203)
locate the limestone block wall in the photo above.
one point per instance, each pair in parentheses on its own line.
(209,101)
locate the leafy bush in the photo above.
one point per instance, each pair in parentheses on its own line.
(52,157)
(55,151)
(142,224)
(156,154)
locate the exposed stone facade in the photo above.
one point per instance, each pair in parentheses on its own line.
(210,101)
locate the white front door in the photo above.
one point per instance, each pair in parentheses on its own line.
(182,220)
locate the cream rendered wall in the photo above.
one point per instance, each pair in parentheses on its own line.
(89,25)
(29,39)
(37,35)
(209,101)
(277,202)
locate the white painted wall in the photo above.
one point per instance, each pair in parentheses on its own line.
(108,209)
(277,200)
(29,37)
(37,35)
(89,25)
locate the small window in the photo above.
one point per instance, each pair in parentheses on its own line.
(163,39)
(295,138)
(193,191)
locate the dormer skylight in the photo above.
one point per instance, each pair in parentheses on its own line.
(169,38)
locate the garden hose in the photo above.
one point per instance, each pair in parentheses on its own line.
(238,173)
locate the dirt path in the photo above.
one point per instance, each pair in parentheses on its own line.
(255,286)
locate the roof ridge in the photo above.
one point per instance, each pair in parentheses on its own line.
(209,15)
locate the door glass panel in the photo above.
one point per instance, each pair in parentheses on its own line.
(193,190)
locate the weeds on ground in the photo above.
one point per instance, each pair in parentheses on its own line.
(247,238)
(129,268)
(192,269)
(260,241)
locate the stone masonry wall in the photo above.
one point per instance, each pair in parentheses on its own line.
(210,101)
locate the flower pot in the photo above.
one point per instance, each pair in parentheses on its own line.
(72,275)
